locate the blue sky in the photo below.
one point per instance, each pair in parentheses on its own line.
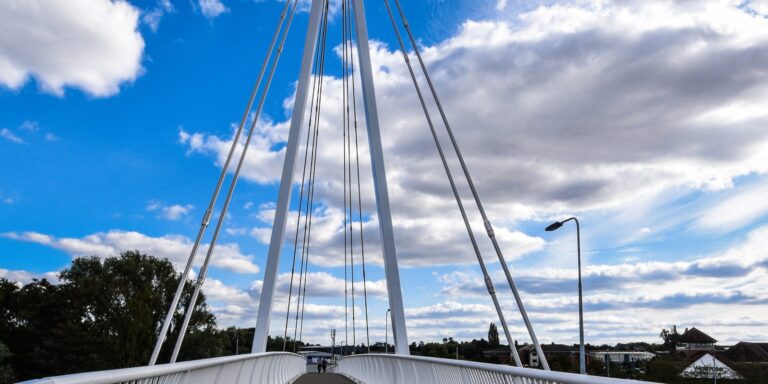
(646,121)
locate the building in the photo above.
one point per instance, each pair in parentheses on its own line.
(623,357)
(530,358)
(695,340)
(746,352)
(709,367)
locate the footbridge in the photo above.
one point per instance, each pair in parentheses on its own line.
(284,367)
(264,367)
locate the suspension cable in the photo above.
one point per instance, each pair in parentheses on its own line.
(359,199)
(313,129)
(349,191)
(344,166)
(211,205)
(301,205)
(313,178)
(478,202)
(204,269)
(487,278)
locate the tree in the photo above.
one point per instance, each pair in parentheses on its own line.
(103,314)
(670,337)
(6,373)
(493,336)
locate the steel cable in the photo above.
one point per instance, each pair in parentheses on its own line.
(228,199)
(314,166)
(488,281)
(301,198)
(207,216)
(478,202)
(359,194)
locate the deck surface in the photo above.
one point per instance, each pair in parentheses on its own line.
(323,378)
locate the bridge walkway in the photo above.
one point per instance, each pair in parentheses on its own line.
(323,378)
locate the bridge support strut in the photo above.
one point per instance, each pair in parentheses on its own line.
(379,178)
(286,183)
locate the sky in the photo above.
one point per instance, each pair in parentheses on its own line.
(646,120)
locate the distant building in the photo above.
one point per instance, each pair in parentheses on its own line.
(746,352)
(708,367)
(530,358)
(623,357)
(695,340)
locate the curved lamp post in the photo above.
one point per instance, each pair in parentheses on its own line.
(550,228)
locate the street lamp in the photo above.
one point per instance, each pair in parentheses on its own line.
(550,228)
(386,328)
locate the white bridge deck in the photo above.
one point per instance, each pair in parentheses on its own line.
(284,367)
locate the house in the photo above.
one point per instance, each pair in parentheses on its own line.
(709,367)
(530,358)
(746,352)
(695,340)
(623,357)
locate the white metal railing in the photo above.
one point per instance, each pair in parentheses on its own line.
(267,368)
(384,368)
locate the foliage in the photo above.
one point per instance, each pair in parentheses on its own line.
(670,337)
(103,314)
(6,373)
(468,350)
(493,336)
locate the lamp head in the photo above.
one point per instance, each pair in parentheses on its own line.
(554,226)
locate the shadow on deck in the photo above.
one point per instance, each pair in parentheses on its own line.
(323,378)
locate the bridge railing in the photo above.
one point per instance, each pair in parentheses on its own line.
(385,368)
(267,368)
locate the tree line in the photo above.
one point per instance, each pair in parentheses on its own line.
(105,314)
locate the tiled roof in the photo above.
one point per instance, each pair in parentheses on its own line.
(693,335)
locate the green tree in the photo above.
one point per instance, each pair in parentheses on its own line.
(670,337)
(493,336)
(6,373)
(104,314)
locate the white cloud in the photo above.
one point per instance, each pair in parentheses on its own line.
(153,17)
(212,8)
(261,163)
(30,125)
(745,206)
(759,6)
(634,299)
(25,277)
(9,135)
(530,135)
(92,45)
(174,247)
(170,212)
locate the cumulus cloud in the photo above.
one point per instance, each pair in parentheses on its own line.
(170,212)
(25,277)
(92,45)
(174,247)
(212,8)
(658,106)
(635,299)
